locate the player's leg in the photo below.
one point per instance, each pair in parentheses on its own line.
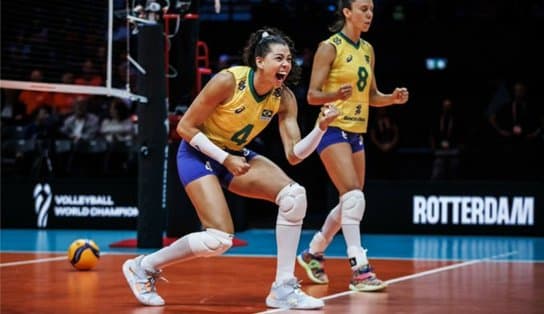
(204,190)
(265,180)
(348,177)
(335,141)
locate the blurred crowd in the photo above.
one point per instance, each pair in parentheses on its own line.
(494,131)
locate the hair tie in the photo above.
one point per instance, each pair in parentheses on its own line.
(265,34)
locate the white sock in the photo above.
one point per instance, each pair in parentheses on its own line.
(323,238)
(287,238)
(357,257)
(356,253)
(178,251)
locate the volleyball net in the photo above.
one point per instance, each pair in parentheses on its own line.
(69,47)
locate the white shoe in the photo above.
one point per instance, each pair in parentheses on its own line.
(288,295)
(142,282)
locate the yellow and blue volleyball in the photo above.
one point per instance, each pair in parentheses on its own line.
(83,254)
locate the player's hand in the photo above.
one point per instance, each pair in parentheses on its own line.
(237,165)
(344,92)
(400,95)
(328,114)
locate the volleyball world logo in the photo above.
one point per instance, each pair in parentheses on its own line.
(42,201)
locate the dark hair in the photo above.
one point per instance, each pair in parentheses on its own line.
(259,46)
(122,109)
(340,18)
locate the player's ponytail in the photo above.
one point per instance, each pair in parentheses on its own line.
(340,18)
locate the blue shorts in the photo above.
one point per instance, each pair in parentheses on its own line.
(335,135)
(193,164)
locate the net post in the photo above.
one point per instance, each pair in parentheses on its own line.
(152,138)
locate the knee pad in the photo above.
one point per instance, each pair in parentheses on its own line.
(210,242)
(292,205)
(353,207)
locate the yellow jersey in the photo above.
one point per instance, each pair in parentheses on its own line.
(353,66)
(234,124)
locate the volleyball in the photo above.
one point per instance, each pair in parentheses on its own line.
(83,254)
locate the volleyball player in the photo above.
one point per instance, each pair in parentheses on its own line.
(233,108)
(343,75)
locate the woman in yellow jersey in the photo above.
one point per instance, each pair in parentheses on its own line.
(343,76)
(233,108)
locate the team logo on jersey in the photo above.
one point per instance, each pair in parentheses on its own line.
(266,114)
(337,40)
(358,109)
(240,109)
(349,58)
(367,59)
(242,85)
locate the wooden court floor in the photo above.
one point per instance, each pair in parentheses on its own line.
(47,283)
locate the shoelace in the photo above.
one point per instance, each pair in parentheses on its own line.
(316,263)
(366,274)
(152,278)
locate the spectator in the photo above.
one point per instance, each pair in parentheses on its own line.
(384,135)
(80,127)
(44,124)
(13,111)
(33,99)
(118,127)
(517,126)
(41,132)
(88,76)
(63,103)
(119,131)
(446,142)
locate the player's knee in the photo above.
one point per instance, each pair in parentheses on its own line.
(210,242)
(292,204)
(353,207)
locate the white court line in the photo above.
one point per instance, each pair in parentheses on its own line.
(449,267)
(418,275)
(37,261)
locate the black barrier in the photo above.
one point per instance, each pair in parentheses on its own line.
(471,208)
(69,204)
(393,207)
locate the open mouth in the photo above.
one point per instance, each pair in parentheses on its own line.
(281,76)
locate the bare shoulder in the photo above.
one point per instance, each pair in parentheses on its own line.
(326,52)
(224,79)
(288,99)
(326,47)
(286,92)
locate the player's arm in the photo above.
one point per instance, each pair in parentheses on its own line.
(379,99)
(323,59)
(217,91)
(295,148)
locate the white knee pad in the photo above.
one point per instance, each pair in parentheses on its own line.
(353,207)
(210,242)
(292,205)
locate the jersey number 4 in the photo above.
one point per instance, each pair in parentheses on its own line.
(240,137)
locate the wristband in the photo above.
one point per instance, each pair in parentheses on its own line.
(308,144)
(203,144)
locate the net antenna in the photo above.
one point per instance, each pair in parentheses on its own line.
(7,82)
